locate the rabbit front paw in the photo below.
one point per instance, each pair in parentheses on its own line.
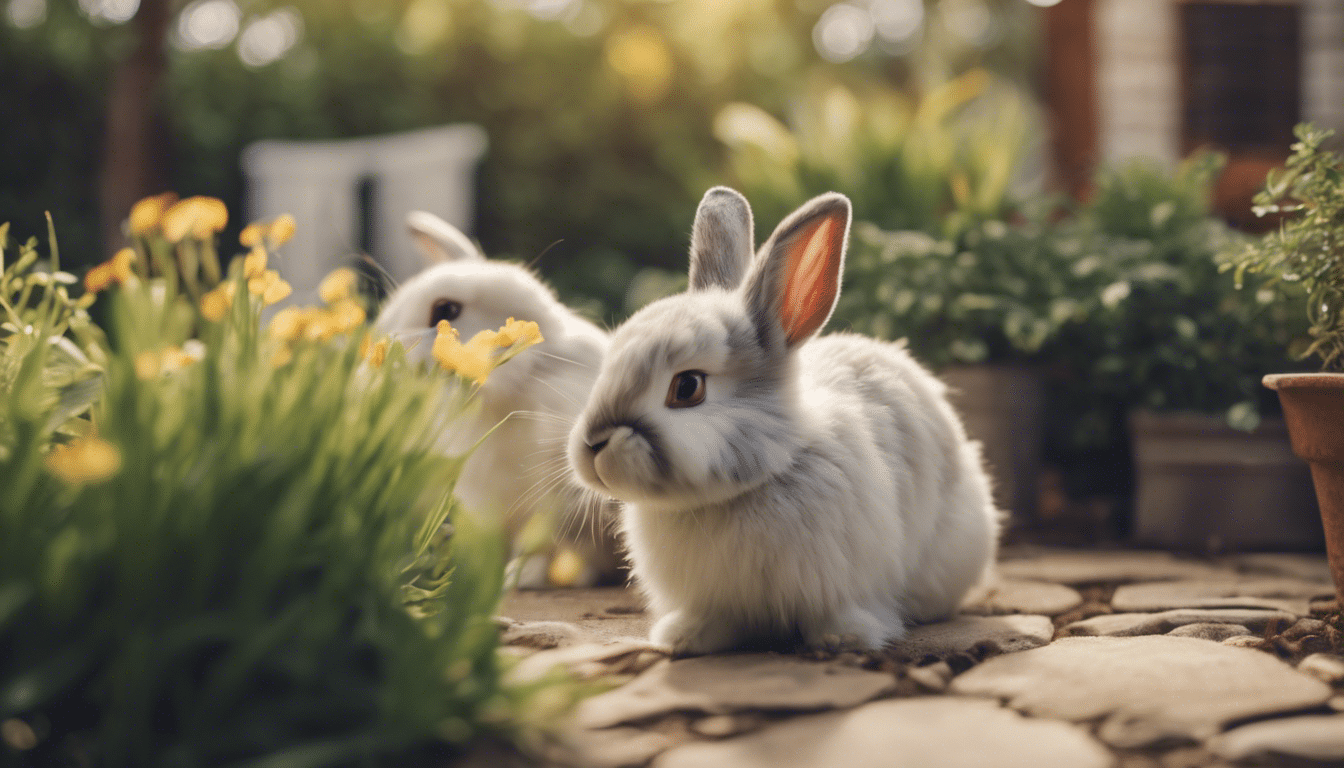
(690,635)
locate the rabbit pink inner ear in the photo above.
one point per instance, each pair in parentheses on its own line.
(814,260)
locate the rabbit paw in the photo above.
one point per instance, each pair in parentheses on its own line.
(689,635)
(853,629)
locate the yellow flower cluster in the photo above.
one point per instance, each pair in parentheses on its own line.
(261,281)
(200,217)
(84,460)
(374,351)
(147,213)
(485,351)
(269,234)
(150,364)
(342,313)
(115,270)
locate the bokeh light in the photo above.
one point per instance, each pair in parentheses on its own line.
(25,14)
(897,20)
(843,32)
(969,20)
(269,38)
(109,11)
(206,24)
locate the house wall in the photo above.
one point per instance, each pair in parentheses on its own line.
(1138,75)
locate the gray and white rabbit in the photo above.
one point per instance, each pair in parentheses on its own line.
(776,487)
(520,470)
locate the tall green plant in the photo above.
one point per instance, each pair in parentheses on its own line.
(244,557)
(939,164)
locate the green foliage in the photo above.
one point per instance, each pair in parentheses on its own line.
(1122,299)
(244,558)
(1173,332)
(939,164)
(995,293)
(1305,257)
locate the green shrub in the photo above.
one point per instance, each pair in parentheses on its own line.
(240,553)
(1121,300)
(1305,257)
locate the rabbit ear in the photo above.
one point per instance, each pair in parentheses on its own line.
(795,283)
(440,241)
(721,240)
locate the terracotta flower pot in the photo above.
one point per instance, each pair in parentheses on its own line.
(1313,407)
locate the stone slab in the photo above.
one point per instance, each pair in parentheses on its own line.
(723,684)
(1133,624)
(612,655)
(1325,667)
(1314,737)
(925,732)
(600,614)
(1297,566)
(1271,592)
(1214,632)
(1144,689)
(961,633)
(1013,596)
(1088,567)
(615,747)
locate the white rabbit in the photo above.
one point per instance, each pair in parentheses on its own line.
(780,489)
(520,470)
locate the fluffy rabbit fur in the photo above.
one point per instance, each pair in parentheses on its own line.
(520,469)
(780,488)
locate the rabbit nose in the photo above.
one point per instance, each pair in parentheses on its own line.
(598,439)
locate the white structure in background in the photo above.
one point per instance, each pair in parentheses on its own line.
(319,182)
(1138,75)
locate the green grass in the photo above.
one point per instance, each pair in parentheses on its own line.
(273,575)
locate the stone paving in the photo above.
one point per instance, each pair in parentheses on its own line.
(1072,659)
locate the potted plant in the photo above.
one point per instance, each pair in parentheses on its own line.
(1181,351)
(1306,257)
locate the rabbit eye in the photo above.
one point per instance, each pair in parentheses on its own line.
(687,389)
(444,309)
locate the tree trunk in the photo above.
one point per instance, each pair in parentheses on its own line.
(134,159)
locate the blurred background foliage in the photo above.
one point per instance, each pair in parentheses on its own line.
(607,118)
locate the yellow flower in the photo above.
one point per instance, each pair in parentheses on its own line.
(251,235)
(337,285)
(254,264)
(276,291)
(197,216)
(149,364)
(84,460)
(147,213)
(215,304)
(99,278)
(377,353)
(281,230)
(115,270)
(345,314)
(121,264)
(473,360)
(524,332)
(269,287)
(288,324)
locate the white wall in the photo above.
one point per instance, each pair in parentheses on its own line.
(1138,89)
